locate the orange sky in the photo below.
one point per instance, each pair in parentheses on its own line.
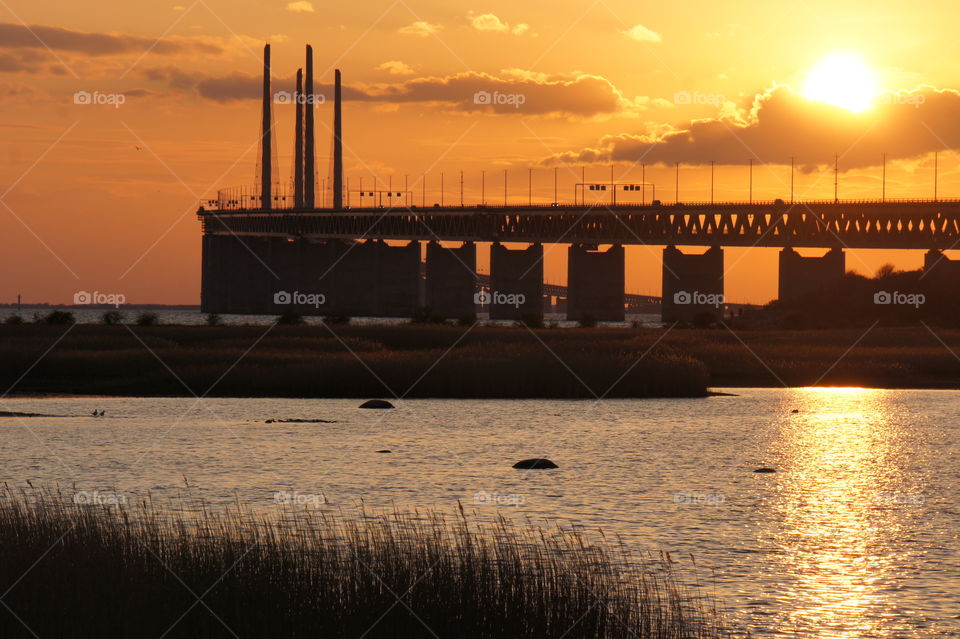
(102,196)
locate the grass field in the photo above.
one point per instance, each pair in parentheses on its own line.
(314,361)
(448,361)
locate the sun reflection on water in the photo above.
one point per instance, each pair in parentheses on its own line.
(836,535)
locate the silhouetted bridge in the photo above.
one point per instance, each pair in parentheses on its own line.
(266,251)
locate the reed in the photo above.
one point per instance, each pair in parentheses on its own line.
(114,571)
(315,361)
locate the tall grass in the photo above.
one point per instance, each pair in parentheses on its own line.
(107,571)
(485,362)
(312,361)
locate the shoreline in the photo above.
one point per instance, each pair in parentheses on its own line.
(708,395)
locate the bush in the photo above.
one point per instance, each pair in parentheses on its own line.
(59,317)
(13,320)
(290,319)
(704,319)
(587,321)
(113,318)
(425,315)
(148,319)
(336,318)
(214,320)
(531,320)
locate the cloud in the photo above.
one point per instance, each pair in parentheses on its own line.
(779,125)
(580,95)
(18,37)
(490,22)
(23,61)
(300,6)
(642,34)
(396,67)
(19,93)
(420,28)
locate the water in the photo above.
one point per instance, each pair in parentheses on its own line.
(857,535)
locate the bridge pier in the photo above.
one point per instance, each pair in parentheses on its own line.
(936,264)
(516,282)
(213,281)
(451,280)
(301,266)
(800,276)
(595,283)
(236,274)
(368,279)
(692,284)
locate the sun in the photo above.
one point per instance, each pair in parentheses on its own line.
(843,80)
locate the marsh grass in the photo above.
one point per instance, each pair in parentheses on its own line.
(107,571)
(482,362)
(317,361)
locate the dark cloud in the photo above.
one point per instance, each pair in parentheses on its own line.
(526,94)
(18,36)
(780,125)
(18,93)
(25,61)
(583,95)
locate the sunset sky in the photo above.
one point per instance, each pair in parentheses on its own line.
(103,196)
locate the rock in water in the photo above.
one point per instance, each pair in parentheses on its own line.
(535,464)
(376,403)
(383,451)
(765,470)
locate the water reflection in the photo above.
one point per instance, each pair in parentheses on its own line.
(838,527)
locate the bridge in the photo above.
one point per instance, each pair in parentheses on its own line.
(260,241)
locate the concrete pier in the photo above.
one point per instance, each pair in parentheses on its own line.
(369,279)
(595,283)
(236,274)
(272,276)
(451,280)
(516,283)
(936,265)
(213,279)
(801,276)
(692,284)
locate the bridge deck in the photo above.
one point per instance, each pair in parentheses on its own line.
(900,224)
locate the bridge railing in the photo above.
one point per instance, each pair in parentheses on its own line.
(246,199)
